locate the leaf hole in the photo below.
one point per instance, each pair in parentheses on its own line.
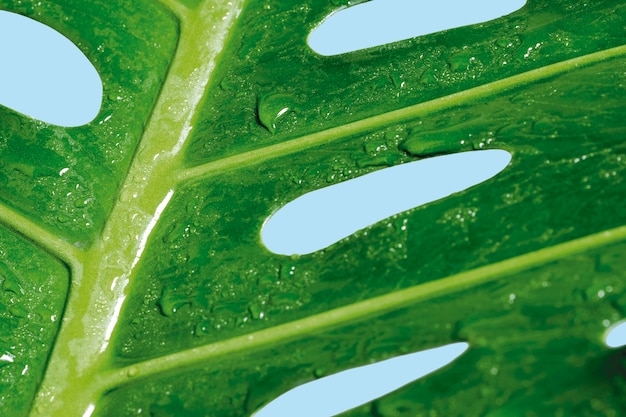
(345,390)
(44,75)
(380,22)
(322,217)
(615,336)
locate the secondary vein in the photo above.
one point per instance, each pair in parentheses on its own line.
(201,355)
(43,238)
(339,133)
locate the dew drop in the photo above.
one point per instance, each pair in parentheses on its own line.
(18,311)
(286,299)
(201,329)
(63,218)
(10,283)
(426,144)
(6,358)
(171,301)
(272,108)
(256,311)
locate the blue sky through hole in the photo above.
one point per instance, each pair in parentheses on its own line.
(82,95)
(44,75)
(379,22)
(323,217)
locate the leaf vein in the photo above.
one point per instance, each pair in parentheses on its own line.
(360,310)
(258,156)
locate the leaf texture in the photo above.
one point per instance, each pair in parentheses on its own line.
(136,283)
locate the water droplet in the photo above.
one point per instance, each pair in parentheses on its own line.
(63,218)
(19,311)
(256,311)
(397,80)
(461,61)
(82,202)
(606,262)
(285,299)
(201,329)
(127,195)
(388,159)
(440,142)
(171,301)
(6,359)
(271,109)
(10,282)
(27,170)
(595,292)
(287,272)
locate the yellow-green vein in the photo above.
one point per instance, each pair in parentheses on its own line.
(260,155)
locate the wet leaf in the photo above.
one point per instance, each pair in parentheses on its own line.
(133,280)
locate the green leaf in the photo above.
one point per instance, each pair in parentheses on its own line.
(136,283)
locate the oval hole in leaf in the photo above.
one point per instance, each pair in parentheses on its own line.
(44,75)
(345,390)
(379,22)
(320,218)
(615,336)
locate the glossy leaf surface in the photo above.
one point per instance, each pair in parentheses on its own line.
(136,283)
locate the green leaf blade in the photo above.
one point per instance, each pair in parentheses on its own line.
(175,306)
(32,297)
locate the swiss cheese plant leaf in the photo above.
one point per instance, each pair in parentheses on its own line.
(133,279)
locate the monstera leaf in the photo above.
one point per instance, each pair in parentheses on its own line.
(133,277)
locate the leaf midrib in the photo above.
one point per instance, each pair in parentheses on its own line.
(100,281)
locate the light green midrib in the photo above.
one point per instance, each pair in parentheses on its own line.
(198,356)
(100,280)
(258,156)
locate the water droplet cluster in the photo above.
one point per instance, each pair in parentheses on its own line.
(33,287)
(264,106)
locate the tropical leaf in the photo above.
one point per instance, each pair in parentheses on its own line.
(135,282)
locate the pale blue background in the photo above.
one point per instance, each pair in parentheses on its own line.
(23,86)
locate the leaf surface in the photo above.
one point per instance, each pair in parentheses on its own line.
(136,283)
